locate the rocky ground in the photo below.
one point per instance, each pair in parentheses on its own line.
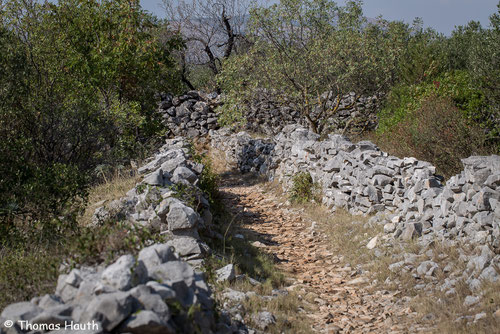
(340,295)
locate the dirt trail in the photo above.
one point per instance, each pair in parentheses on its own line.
(337,292)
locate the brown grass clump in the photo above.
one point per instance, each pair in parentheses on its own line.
(106,191)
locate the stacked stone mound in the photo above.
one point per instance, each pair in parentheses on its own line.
(158,291)
(241,150)
(191,115)
(406,195)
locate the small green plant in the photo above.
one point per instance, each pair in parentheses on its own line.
(187,194)
(209,179)
(141,188)
(304,189)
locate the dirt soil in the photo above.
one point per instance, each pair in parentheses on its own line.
(341,295)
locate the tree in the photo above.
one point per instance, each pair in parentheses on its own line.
(305,48)
(77,90)
(211,29)
(484,64)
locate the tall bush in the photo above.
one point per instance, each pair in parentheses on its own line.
(77,90)
(485,68)
(437,132)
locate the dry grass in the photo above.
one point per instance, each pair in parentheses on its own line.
(219,162)
(108,190)
(286,309)
(443,311)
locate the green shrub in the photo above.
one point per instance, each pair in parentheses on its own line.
(437,132)
(303,188)
(404,100)
(423,56)
(77,90)
(484,64)
(209,179)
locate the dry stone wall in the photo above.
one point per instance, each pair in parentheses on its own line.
(194,114)
(191,115)
(266,115)
(404,195)
(151,292)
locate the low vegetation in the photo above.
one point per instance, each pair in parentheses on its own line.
(304,189)
(31,262)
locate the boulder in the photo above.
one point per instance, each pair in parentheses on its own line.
(109,309)
(119,274)
(181,217)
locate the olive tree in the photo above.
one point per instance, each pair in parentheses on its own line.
(303,49)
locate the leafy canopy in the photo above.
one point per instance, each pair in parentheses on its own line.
(77,90)
(304,48)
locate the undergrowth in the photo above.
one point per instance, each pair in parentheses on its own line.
(29,262)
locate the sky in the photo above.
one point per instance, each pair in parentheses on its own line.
(442,15)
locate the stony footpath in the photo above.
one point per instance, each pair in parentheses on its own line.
(158,290)
(340,295)
(403,196)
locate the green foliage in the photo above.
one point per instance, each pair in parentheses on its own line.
(78,91)
(459,46)
(108,241)
(485,68)
(21,279)
(463,68)
(209,179)
(303,48)
(202,78)
(423,56)
(438,132)
(404,100)
(304,189)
